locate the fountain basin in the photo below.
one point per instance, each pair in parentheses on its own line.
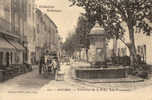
(99,73)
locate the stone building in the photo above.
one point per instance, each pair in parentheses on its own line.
(22,20)
(29,30)
(142,43)
(26,30)
(39,30)
(47,37)
(11,49)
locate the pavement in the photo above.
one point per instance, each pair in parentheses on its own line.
(34,81)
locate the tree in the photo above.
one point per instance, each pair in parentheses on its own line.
(136,14)
(71,44)
(83,28)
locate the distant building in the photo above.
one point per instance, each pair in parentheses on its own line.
(47,37)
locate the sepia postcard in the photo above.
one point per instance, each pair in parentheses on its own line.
(75,49)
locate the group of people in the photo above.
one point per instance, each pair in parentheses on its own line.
(45,60)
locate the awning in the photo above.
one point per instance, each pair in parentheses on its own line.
(5,45)
(17,45)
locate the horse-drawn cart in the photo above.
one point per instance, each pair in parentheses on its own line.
(49,67)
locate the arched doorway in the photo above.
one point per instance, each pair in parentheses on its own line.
(7,58)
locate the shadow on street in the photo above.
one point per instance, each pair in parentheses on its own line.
(28,81)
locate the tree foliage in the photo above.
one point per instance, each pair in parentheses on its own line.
(78,39)
(83,28)
(71,44)
(137,14)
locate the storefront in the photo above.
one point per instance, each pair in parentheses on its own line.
(19,52)
(7,52)
(11,52)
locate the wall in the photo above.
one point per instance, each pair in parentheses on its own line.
(29,30)
(5,19)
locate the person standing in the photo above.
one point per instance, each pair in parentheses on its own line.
(54,67)
(42,60)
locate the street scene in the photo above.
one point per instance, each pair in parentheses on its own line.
(75,46)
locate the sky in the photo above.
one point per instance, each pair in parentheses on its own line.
(65,19)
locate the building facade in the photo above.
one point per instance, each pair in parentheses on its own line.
(47,37)
(142,43)
(23,23)
(27,31)
(11,50)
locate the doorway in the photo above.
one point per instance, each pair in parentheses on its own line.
(7,59)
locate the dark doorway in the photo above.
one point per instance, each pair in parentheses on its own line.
(1,58)
(11,58)
(7,59)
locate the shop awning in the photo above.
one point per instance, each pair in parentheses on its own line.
(5,45)
(17,45)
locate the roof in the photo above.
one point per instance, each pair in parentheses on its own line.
(17,45)
(97,30)
(50,20)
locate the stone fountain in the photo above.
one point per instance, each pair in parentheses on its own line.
(97,56)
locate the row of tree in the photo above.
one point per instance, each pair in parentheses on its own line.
(78,39)
(136,14)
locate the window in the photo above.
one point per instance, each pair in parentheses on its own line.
(124,51)
(141,50)
(29,9)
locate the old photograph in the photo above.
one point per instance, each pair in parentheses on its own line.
(76,49)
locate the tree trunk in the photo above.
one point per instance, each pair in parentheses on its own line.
(132,48)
